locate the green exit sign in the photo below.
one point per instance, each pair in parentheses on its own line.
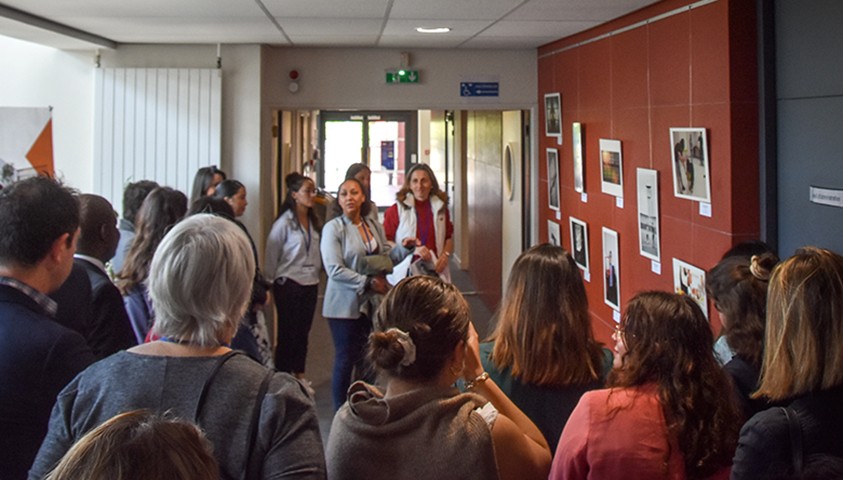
(402,76)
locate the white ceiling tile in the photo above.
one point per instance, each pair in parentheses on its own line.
(327,8)
(556,30)
(331,27)
(452,9)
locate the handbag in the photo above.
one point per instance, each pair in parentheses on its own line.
(252,469)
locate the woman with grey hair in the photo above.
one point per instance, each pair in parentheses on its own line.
(259,421)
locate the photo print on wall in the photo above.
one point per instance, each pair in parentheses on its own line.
(576,141)
(648,214)
(553,115)
(553,178)
(554,235)
(690,280)
(611,167)
(611,272)
(579,242)
(691,172)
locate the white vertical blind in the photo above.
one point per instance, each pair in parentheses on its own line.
(158,124)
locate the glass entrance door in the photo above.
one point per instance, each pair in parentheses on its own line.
(385,141)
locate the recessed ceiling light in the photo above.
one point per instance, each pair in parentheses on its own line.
(433,29)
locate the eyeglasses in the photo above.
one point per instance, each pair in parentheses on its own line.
(308,191)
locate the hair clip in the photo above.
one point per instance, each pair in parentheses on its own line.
(407,344)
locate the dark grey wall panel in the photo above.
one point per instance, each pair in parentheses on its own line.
(809,48)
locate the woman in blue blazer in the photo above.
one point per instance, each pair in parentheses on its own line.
(357,258)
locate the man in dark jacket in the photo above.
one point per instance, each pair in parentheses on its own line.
(39,221)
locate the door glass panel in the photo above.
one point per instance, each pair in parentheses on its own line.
(387,149)
(343,146)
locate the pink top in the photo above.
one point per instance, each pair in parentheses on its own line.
(619,433)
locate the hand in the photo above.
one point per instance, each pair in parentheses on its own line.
(441,263)
(424,253)
(378,284)
(409,242)
(473,367)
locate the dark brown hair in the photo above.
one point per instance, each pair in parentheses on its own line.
(365,207)
(544,332)
(436,317)
(738,286)
(161,210)
(669,344)
(294,182)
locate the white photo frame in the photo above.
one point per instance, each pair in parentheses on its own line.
(648,214)
(553,115)
(576,141)
(553,193)
(611,271)
(554,233)
(611,167)
(690,280)
(691,171)
(579,242)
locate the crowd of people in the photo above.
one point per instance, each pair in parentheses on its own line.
(138,349)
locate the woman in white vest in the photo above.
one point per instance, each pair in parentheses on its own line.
(421,211)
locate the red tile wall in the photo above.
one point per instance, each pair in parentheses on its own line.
(693,69)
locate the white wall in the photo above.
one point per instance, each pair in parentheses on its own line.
(36,76)
(355,78)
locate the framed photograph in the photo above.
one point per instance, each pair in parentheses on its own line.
(690,280)
(611,167)
(611,272)
(579,242)
(691,172)
(554,235)
(553,178)
(576,140)
(648,213)
(553,115)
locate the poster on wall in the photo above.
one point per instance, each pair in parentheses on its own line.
(553,178)
(26,143)
(554,235)
(690,280)
(579,242)
(611,167)
(691,173)
(648,213)
(576,140)
(553,115)
(611,272)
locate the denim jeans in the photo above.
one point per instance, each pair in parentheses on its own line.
(351,336)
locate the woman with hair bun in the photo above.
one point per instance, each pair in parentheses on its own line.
(803,369)
(293,263)
(738,286)
(420,426)
(667,413)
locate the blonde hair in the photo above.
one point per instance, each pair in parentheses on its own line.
(544,331)
(804,326)
(139,445)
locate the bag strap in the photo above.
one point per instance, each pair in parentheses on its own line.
(208,381)
(796,449)
(253,461)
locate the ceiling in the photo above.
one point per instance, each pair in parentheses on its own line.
(484,24)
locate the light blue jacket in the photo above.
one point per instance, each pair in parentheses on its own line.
(342,250)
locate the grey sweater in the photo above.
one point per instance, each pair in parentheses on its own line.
(288,431)
(425,434)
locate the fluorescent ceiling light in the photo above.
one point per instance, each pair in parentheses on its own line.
(433,29)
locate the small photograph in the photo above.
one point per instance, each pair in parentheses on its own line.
(576,140)
(611,272)
(691,170)
(611,167)
(553,178)
(648,213)
(554,235)
(579,242)
(553,115)
(690,280)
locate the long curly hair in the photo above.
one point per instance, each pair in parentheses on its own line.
(161,209)
(669,344)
